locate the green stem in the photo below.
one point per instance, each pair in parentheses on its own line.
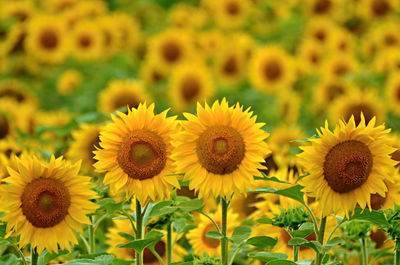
(22,256)
(295,253)
(314,219)
(160,260)
(169,243)
(320,238)
(397,252)
(139,231)
(34,256)
(364,253)
(212,220)
(224,239)
(92,242)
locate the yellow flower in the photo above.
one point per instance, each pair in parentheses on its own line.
(347,165)
(12,39)
(320,30)
(112,38)
(18,91)
(87,41)
(310,56)
(230,66)
(387,60)
(231,13)
(22,11)
(392,91)
(114,238)
(272,69)
(85,141)
(288,105)
(69,81)
(220,149)
(128,31)
(136,153)
(329,89)
(211,42)
(46,39)
(13,118)
(197,236)
(377,9)
(355,102)
(282,140)
(338,66)
(46,203)
(186,17)
(190,83)
(121,93)
(151,73)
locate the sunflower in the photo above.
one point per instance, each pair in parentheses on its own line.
(170,48)
(47,203)
(197,236)
(272,69)
(377,9)
(230,66)
(387,60)
(13,118)
(347,165)
(187,17)
(393,92)
(354,103)
(338,66)
(111,38)
(59,5)
(18,91)
(392,195)
(380,238)
(220,149)
(324,8)
(19,10)
(288,105)
(342,42)
(151,73)
(386,36)
(11,38)
(8,149)
(85,141)
(121,93)
(69,81)
(320,30)
(329,89)
(310,56)
(128,31)
(135,152)
(47,39)
(211,42)
(231,13)
(87,41)
(395,143)
(51,118)
(189,84)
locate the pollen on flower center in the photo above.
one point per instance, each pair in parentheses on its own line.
(220,149)
(45,202)
(347,165)
(142,154)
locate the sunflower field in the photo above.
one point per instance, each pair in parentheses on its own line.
(200,132)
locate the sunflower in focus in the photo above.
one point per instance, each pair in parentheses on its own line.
(47,202)
(190,84)
(170,48)
(46,39)
(347,165)
(272,69)
(114,238)
(136,151)
(220,149)
(69,81)
(85,141)
(355,102)
(197,236)
(121,93)
(87,41)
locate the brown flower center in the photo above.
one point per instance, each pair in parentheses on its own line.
(356,111)
(379,237)
(334,90)
(12,93)
(380,7)
(248,203)
(45,202)
(220,149)
(322,6)
(232,8)
(142,155)
(396,157)
(320,35)
(85,41)
(377,201)
(314,58)
(4,127)
(49,39)
(210,242)
(270,164)
(190,88)
(390,40)
(398,93)
(272,70)
(230,67)
(341,69)
(347,165)
(186,192)
(148,256)
(171,51)
(92,147)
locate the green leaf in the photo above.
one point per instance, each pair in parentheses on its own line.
(100,260)
(214,234)
(303,231)
(265,220)
(191,206)
(8,259)
(281,262)
(183,263)
(179,225)
(304,262)
(241,233)
(46,257)
(375,217)
(293,192)
(268,256)
(109,205)
(336,241)
(304,140)
(263,242)
(4,242)
(150,239)
(267,178)
(154,210)
(127,236)
(302,242)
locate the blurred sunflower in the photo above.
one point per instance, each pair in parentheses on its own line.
(87,41)
(230,67)
(19,10)
(386,36)
(170,48)
(342,42)
(355,102)
(136,153)
(310,56)
(197,236)
(380,238)
(320,30)
(387,60)
(114,238)
(210,42)
(187,17)
(11,38)
(128,30)
(18,91)
(47,203)
(59,5)
(288,105)
(151,73)
(85,141)
(13,118)
(395,143)
(392,91)
(347,165)
(69,81)
(47,39)
(190,83)
(272,69)
(338,66)
(111,38)
(8,149)
(329,89)
(220,149)
(231,13)
(377,9)
(121,93)
(324,8)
